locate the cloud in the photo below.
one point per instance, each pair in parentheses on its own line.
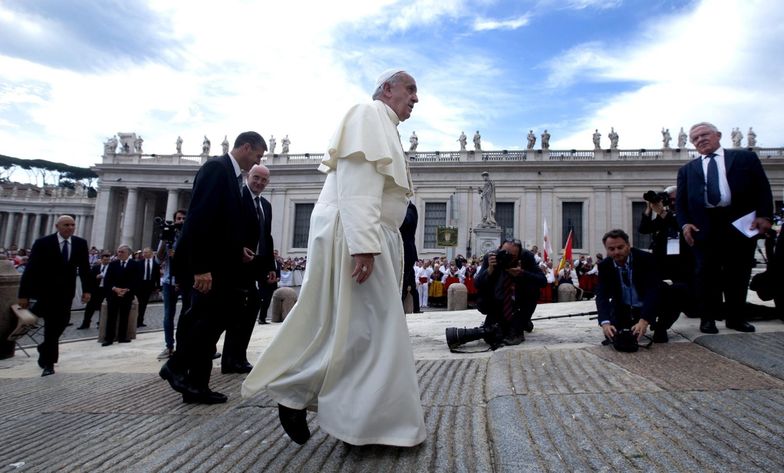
(487,24)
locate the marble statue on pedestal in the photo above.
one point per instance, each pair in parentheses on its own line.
(545,140)
(110,146)
(285,142)
(531,140)
(682,138)
(205,146)
(751,139)
(666,138)
(478,144)
(272,144)
(225,144)
(487,201)
(137,144)
(736,136)
(613,135)
(597,139)
(462,140)
(414,140)
(178,143)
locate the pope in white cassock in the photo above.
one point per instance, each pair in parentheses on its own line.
(344,348)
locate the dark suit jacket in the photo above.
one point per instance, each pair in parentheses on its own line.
(49,278)
(155,276)
(212,238)
(408,234)
(490,287)
(264,262)
(748,183)
(125,278)
(645,278)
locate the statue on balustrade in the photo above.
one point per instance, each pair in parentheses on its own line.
(682,138)
(751,139)
(110,146)
(545,140)
(272,144)
(487,201)
(462,140)
(225,144)
(478,142)
(531,140)
(736,136)
(414,140)
(126,148)
(179,145)
(666,138)
(597,139)
(205,146)
(285,142)
(613,135)
(137,145)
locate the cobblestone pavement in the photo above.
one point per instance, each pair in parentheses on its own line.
(558,402)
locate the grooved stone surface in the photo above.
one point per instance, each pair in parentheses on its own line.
(762,351)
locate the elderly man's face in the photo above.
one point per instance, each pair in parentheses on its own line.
(65,227)
(704,139)
(401,96)
(123,253)
(258,178)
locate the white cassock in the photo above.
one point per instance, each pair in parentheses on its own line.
(344,347)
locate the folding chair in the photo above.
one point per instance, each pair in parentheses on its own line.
(27,325)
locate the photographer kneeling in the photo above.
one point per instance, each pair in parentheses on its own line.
(630,294)
(508,288)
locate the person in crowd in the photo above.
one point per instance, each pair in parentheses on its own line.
(435,292)
(509,289)
(215,220)
(714,191)
(344,347)
(50,280)
(567,275)
(257,235)
(171,289)
(631,294)
(547,292)
(121,282)
(423,283)
(408,233)
(150,281)
(97,274)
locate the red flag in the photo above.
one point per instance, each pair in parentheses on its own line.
(567,254)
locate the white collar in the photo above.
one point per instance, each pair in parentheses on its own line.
(235,165)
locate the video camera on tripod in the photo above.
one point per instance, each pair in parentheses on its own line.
(167,229)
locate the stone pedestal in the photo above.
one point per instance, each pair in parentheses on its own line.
(133,315)
(9,288)
(457,297)
(283,299)
(487,239)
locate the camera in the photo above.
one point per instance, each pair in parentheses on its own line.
(492,335)
(625,341)
(503,259)
(168,229)
(657,197)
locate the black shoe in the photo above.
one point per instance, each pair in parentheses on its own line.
(216,355)
(515,340)
(236,368)
(741,326)
(47,371)
(660,336)
(262,322)
(529,326)
(124,340)
(295,423)
(83,327)
(106,343)
(204,396)
(69,324)
(141,324)
(708,326)
(177,381)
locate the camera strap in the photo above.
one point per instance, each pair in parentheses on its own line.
(608,341)
(455,350)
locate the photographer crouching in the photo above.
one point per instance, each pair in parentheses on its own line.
(508,288)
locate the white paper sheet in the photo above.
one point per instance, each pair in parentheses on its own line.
(743,224)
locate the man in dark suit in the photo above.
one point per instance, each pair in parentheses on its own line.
(713,191)
(97,274)
(508,296)
(257,233)
(211,253)
(631,293)
(50,279)
(266,290)
(122,281)
(150,281)
(408,234)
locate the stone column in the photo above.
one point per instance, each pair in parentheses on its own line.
(129,224)
(101,221)
(22,241)
(171,203)
(9,227)
(36,227)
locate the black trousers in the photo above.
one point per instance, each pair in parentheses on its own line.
(143,295)
(671,304)
(56,315)
(265,294)
(240,328)
(723,268)
(117,311)
(199,330)
(96,299)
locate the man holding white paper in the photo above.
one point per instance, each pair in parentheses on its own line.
(714,191)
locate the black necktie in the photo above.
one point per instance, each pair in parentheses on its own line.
(239,182)
(259,212)
(148,271)
(714,193)
(65,250)
(122,264)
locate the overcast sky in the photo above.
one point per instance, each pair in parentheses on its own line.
(73,73)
